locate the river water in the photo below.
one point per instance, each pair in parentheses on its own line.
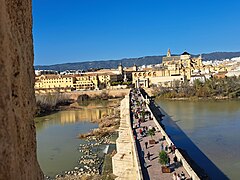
(57,142)
(214,127)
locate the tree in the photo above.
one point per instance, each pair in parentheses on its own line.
(151,133)
(143,114)
(176,84)
(197,84)
(163,158)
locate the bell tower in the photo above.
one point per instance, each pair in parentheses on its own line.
(169,53)
(134,67)
(120,68)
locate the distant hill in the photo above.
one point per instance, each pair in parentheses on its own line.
(127,62)
(220,55)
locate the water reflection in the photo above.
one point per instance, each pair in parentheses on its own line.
(73,116)
(57,142)
(84,115)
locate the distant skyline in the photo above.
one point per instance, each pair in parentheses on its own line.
(85,30)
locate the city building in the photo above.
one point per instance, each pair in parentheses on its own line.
(172,68)
(70,80)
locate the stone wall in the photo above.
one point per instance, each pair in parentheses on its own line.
(113,92)
(125,162)
(18,158)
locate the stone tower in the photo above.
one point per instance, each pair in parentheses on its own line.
(199,61)
(120,68)
(169,53)
(134,67)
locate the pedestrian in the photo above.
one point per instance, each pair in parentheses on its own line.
(173,149)
(175,160)
(139,123)
(162,147)
(166,148)
(145,164)
(143,154)
(144,131)
(135,137)
(178,177)
(150,127)
(169,160)
(174,176)
(182,176)
(146,144)
(148,156)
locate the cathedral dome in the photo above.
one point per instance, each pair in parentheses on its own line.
(185,53)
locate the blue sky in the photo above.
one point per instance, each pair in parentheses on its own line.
(81,30)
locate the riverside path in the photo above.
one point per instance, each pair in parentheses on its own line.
(143,125)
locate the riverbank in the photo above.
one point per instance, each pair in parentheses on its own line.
(194,98)
(51,103)
(92,161)
(107,125)
(216,88)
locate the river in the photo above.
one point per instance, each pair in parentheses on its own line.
(57,142)
(213,126)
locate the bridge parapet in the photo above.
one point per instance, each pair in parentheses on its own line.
(126,164)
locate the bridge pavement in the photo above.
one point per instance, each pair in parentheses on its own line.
(153,167)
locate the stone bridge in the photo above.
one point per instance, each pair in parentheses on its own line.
(130,161)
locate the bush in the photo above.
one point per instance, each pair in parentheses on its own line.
(49,102)
(127,83)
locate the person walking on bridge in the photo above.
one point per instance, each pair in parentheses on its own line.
(143,154)
(146,144)
(162,146)
(148,156)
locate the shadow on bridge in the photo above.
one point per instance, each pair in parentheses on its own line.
(201,164)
